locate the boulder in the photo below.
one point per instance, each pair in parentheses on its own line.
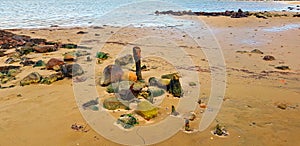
(54,62)
(71,70)
(124,60)
(146,110)
(111,74)
(69,57)
(31,78)
(45,48)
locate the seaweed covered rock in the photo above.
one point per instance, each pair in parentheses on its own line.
(175,86)
(53,63)
(127,121)
(146,110)
(52,78)
(124,60)
(39,63)
(114,103)
(31,79)
(71,70)
(111,74)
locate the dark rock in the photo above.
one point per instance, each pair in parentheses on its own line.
(10,60)
(31,78)
(283,67)
(111,74)
(45,48)
(174,112)
(2,53)
(82,32)
(124,60)
(155,82)
(39,63)
(54,63)
(27,62)
(72,70)
(269,58)
(90,103)
(69,46)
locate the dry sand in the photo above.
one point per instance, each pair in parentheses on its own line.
(44,114)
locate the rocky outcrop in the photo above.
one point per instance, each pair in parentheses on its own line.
(52,78)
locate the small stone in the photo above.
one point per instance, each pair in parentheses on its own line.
(283,67)
(269,58)
(72,70)
(53,62)
(31,78)
(192,84)
(282,106)
(257,51)
(111,74)
(124,60)
(146,110)
(45,48)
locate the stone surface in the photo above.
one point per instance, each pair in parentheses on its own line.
(45,48)
(269,58)
(71,70)
(52,78)
(113,103)
(124,60)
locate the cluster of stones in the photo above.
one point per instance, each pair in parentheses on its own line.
(24,45)
(239,14)
(131,91)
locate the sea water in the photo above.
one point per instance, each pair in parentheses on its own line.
(70,13)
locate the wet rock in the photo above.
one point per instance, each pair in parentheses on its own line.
(52,78)
(175,86)
(282,67)
(257,51)
(71,70)
(269,58)
(39,63)
(124,60)
(146,110)
(127,121)
(260,15)
(45,48)
(31,78)
(69,46)
(53,62)
(111,74)
(114,103)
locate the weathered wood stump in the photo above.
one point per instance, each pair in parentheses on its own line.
(137,59)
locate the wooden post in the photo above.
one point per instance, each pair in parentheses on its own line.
(137,59)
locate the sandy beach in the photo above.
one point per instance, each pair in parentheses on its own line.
(41,114)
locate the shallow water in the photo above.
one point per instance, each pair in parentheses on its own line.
(41,13)
(283,28)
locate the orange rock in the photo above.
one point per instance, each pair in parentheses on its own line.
(132,76)
(202,105)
